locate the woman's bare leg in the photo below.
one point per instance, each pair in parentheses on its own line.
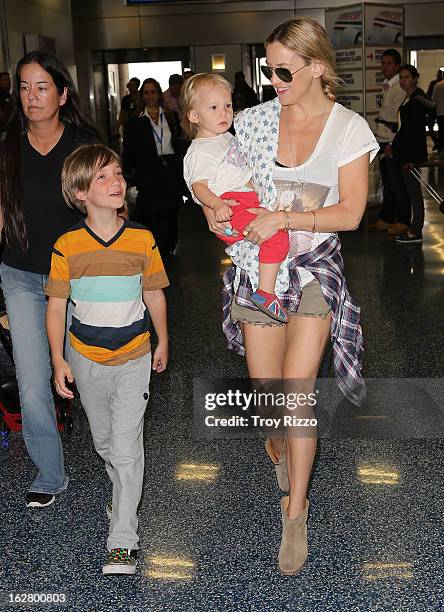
(306,341)
(265,350)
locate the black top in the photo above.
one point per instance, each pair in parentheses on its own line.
(46,214)
(431,87)
(244,96)
(5,99)
(131,106)
(141,163)
(410,143)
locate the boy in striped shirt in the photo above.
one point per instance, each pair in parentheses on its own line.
(112,272)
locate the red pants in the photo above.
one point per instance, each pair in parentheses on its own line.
(274,249)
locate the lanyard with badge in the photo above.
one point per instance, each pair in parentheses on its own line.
(159,138)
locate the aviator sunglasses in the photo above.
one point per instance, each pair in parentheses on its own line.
(283,74)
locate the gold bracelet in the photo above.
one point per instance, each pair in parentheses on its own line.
(314,222)
(286,227)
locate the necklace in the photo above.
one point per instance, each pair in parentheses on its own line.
(300,184)
(154,115)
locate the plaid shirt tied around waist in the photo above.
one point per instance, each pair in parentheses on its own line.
(326,265)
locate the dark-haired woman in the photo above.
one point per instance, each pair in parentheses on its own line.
(151,157)
(409,149)
(46,125)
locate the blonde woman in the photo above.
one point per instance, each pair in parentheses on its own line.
(309,158)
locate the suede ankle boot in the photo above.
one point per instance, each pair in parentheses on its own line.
(280,465)
(294,547)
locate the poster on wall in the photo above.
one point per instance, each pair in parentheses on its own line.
(348,58)
(344,26)
(373,101)
(351,80)
(360,34)
(353,101)
(373,55)
(374,79)
(384,25)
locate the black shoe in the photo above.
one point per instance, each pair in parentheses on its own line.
(408,238)
(39,500)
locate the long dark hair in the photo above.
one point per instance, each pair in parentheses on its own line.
(15,125)
(150,81)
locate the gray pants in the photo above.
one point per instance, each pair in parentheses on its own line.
(115,399)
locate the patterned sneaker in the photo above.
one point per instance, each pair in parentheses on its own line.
(270,305)
(120,561)
(109,508)
(39,500)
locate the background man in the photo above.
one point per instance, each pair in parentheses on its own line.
(392,98)
(172,94)
(131,104)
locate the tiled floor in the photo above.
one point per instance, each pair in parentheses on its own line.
(209,519)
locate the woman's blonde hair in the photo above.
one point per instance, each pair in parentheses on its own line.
(79,169)
(308,38)
(190,89)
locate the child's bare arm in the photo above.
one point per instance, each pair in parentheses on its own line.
(156,304)
(221,208)
(55,325)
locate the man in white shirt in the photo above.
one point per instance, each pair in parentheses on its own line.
(438,97)
(395,202)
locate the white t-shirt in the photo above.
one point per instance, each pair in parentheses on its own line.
(217,161)
(346,136)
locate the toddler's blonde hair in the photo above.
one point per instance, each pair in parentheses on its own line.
(189,91)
